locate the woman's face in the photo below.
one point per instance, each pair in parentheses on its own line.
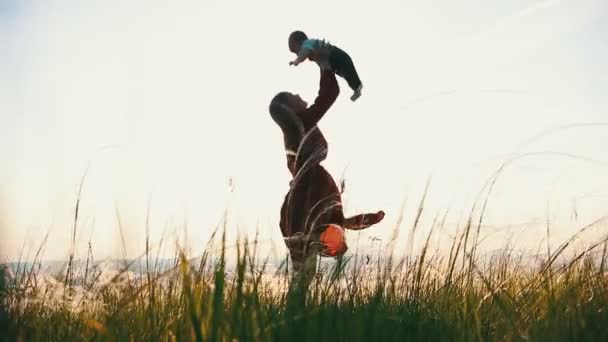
(296,103)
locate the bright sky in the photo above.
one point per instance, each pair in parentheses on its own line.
(168,102)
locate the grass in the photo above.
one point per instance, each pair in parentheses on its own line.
(423,296)
(427,297)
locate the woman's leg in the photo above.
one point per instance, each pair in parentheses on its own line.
(294,212)
(362,221)
(313,201)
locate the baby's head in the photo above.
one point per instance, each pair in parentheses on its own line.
(296,38)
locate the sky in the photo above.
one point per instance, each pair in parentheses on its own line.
(164,109)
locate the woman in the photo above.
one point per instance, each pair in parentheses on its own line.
(312,219)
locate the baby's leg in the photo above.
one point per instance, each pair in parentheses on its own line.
(343,66)
(363,221)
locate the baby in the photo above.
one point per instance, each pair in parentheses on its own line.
(327,56)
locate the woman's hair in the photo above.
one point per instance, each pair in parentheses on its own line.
(287,119)
(280,98)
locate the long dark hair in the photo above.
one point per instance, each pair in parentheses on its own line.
(291,125)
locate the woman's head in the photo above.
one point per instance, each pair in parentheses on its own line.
(289,100)
(283,110)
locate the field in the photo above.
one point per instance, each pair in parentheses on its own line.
(557,295)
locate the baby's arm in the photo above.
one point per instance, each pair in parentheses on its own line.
(301,57)
(307,47)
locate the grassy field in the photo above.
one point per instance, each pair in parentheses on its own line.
(231,293)
(457,297)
